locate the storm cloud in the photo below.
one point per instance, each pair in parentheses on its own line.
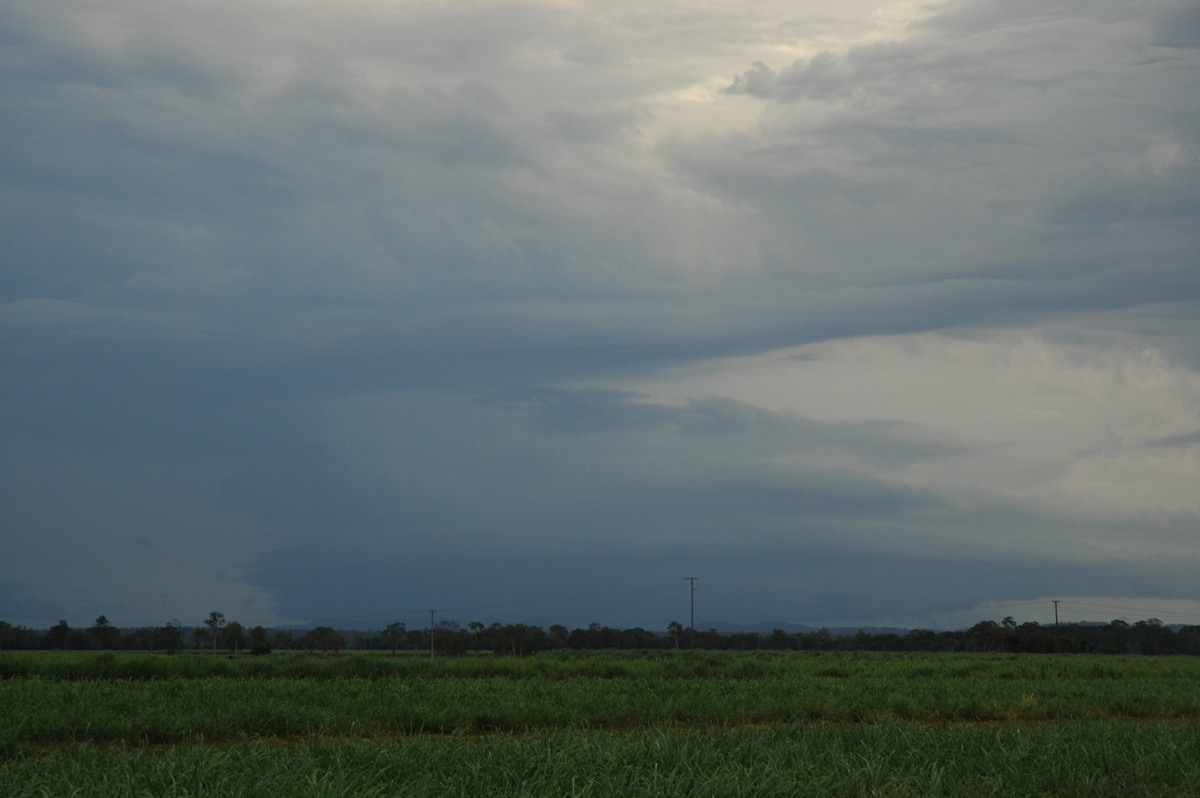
(859,312)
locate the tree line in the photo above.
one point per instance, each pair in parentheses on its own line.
(449,638)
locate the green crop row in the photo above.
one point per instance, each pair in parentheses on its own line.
(1079,758)
(599,723)
(169,711)
(721,665)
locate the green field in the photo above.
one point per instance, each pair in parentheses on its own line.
(599,723)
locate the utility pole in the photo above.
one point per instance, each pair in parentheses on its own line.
(1056,610)
(692,624)
(431,613)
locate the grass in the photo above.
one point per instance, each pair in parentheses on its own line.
(600,723)
(1117,758)
(178,710)
(77,665)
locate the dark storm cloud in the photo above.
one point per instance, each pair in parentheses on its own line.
(370,288)
(17,602)
(557,411)
(1189,439)
(583,469)
(759,80)
(1180,27)
(817,585)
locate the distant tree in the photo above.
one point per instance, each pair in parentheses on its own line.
(140,639)
(921,640)
(104,633)
(393,634)
(594,637)
(742,641)
(332,640)
(494,637)
(451,638)
(234,635)
(324,638)
(169,637)
(215,623)
(675,630)
(1151,636)
(259,644)
(5,632)
(519,639)
(637,637)
(780,640)
(200,637)
(1188,639)
(58,636)
(820,640)
(477,629)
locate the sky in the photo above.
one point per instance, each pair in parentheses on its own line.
(861,312)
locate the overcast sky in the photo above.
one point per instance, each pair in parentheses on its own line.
(860,311)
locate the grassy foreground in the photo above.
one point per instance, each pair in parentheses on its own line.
(604,723)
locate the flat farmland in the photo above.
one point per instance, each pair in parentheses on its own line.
(599,723)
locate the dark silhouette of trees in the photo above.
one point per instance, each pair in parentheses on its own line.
(58,636)
(324,638)
(1148,637)
(477,629)
(234,636)
(168,637)
(215,623)
(104,633)
(259,644)
(200,637)
(780,640)
(819,640)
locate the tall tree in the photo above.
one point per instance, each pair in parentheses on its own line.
(215,623)
(259,644)
(675,629)
(235,636)
(104,633)
(200,637)
(394,633)
(58,636)
(169,637)
(323,637)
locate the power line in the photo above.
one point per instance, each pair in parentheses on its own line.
(1135,609)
